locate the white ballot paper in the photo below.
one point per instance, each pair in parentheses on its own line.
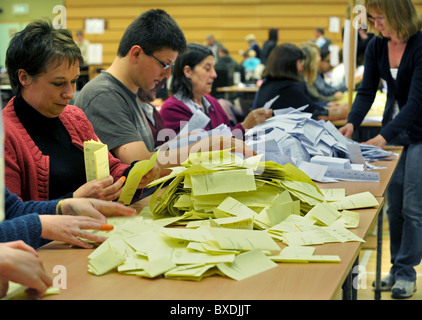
(269,103)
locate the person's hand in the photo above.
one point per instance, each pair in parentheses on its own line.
(256,117)
(217,142)
(378,141)
(70,229)
(347,130)
(239,146)
(104,189)
(338,111)
(151,175)
(20,263)
(338,95)
(95,208)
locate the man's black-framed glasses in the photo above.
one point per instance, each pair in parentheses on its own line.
(164,65)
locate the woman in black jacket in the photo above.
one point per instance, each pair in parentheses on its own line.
(282,77)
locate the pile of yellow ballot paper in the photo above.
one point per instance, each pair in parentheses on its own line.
(235,211)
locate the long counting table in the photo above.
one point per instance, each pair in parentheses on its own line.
(314,281)
(286,281)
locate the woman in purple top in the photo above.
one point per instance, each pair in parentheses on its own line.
(192,81)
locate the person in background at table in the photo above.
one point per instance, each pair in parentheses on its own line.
(269,45)
(191,85)
(155,122)
(39,222)
(145,56)
(83,44)
(321,40)
(226,62)
(213,45)
(395,54)
(44,157)
(283,79)
(21,264)
(253,45)
(251,64)
(323,87)
(310,74)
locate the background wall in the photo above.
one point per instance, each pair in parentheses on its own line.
(11,22)
(228,20)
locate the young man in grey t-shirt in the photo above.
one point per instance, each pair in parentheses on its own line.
(147,50)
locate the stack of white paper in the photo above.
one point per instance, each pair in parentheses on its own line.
(292,136)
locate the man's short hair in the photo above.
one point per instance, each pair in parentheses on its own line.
(324,53)
(153,30)
(320,30)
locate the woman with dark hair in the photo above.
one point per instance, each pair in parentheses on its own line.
(191,85)
(395,55)
(44,135)
(283,79)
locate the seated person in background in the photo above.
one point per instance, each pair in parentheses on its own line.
(250,64)
(21,264)
(338,73)
(321,84)
(269,45)
(282,77)
(191,85)
(310,72)
(44,157)
(153,117)
(39,222)
(228,63)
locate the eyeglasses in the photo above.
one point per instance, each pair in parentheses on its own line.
(164,65)
(373,19)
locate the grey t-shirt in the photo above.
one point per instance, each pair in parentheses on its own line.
(115,112)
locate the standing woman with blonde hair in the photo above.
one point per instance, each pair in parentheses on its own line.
(395,55)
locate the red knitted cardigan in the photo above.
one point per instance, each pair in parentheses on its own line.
(26,168)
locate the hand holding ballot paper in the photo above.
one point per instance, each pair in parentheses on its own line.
(96,160)
(101,185)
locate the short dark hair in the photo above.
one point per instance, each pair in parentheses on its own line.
(194,54)
(153,30)
(37,46)
(324,53)
(282,62)
(320,30)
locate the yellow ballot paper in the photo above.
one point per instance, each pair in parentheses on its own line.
(246,265)
(350,218)
(96,160)
(223,182)
(105,262)
(17,291)
(324,214)
(135,176)
(356,201)
(299,254)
